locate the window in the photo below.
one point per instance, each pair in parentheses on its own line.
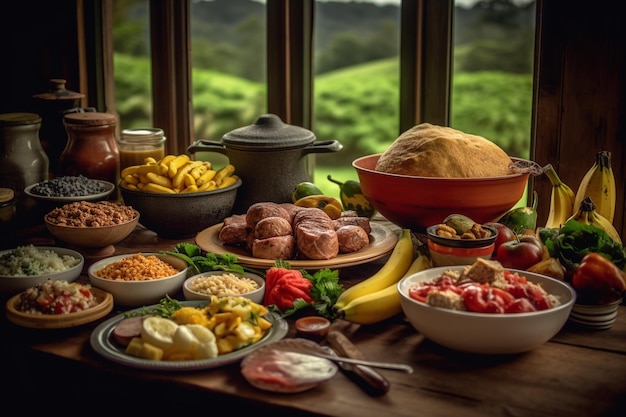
(361,81)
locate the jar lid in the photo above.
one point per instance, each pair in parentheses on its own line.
(19,119)
(147,134)
(58,92)
(6,194)
(90,119)
(269,132)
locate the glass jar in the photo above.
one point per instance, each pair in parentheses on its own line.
(7,216)
(22,159)
(136,145)
(91,148)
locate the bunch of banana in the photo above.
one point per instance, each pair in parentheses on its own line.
(377,298)
(562,199)
(587,214)
(599,184)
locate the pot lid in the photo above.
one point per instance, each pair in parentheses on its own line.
(58,92)
(269,133)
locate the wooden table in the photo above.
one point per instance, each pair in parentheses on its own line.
(579,372)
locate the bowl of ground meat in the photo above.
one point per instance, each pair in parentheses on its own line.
(26,266)
(484,308)
(86,224)
(139,279)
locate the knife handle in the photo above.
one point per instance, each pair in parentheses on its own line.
(369,379)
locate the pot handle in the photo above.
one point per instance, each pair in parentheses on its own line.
(323,146)
(203,145)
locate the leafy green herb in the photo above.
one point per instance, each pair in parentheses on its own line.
(201,262)
(325,291)
(166,307)
(574,240)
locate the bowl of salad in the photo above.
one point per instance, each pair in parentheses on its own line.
(484,308)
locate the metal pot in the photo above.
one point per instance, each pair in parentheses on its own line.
(270,157)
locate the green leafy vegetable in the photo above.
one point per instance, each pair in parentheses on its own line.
(201,262)
(166,307)
(574,240)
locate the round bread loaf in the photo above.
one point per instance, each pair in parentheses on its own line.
(428,150)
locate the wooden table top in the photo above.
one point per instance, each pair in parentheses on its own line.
(578,372)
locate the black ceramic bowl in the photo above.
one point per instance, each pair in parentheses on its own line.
(462,243)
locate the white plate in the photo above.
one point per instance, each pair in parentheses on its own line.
(102,342)
(382,242)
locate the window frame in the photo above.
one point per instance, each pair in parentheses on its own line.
(426,30)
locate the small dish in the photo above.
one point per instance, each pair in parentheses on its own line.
(442,255)
(462,243)
(227,286)
(596,317)
(59,321)
(11,284)
(57,201)
(312,327)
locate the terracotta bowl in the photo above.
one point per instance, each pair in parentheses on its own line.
(418,202)
(92,237)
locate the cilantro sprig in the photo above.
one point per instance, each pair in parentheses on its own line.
(205,262)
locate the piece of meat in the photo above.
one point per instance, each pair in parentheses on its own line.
(352,238)
(287,366)
(235,219)
(234,233)
(272,227)
(362,222)
(291,208)
(316,242)
(278,247)
(258,211)
(315,215)
(127,329)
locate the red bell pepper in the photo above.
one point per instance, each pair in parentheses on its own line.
(283,286)
(598,274)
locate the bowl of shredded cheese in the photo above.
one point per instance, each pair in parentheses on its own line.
(225,284)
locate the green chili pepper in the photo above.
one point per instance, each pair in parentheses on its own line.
(353,199)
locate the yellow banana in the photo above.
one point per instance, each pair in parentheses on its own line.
(397,264)
(562,200)
(587,214)
(383,304)
(599,184)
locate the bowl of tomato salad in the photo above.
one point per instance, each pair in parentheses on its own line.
(485,308)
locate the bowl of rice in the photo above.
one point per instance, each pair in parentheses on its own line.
(225,284)
(139,279)
(26,266)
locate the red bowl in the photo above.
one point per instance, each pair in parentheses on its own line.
(415,203)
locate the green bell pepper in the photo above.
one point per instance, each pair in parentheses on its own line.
(352,198)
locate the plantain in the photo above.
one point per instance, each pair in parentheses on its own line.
(587,214)
(561,200)
(598,183)
(383,304)
(397,264)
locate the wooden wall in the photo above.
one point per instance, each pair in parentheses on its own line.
(581,94)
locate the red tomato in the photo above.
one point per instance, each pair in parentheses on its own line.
(518,254)
(520,305)
(505,234)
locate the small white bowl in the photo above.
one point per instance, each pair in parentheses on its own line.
(597,317)
(140,293)
(255,296)
(11,284)
(485,333)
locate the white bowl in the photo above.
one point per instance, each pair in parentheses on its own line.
(485,333)
(256,295)
(597,317)
(140,293)
(11,284)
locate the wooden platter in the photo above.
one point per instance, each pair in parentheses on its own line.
(59,321)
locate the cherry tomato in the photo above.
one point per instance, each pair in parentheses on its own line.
(505,234)
(518,254)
